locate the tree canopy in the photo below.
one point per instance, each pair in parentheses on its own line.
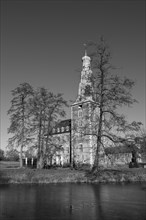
(33,113)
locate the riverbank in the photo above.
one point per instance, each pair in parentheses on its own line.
(68,175)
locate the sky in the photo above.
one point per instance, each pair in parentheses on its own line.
(42,44)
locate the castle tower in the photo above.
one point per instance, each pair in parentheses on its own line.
(85,86)
(81,117)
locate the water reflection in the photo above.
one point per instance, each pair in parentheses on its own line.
(123,202)
(72,201)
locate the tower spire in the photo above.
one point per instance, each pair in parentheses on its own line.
(85,91)
(86,59)
(85,46)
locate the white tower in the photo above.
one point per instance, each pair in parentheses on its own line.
(81,117)
(85,86)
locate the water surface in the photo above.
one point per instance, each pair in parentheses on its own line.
(73,201)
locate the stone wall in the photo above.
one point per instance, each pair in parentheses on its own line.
(61,156)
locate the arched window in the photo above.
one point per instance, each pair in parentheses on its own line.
(67,128)
(81,147)
(80,113)
(62,129)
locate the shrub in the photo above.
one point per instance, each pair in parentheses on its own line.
(2,157)
(12,155)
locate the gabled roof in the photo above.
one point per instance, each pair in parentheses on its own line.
(62,127)
(64,123)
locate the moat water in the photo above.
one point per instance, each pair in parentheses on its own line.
(73,201)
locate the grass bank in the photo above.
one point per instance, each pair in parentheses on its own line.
(13,174)
(118,175)
(27,175)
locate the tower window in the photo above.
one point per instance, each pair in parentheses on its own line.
(80,113)
(80,123)
(81,147)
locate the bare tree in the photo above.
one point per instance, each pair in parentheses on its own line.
(111,92)
(19,118)
(46,110)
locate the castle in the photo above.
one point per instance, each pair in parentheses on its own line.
(77,142)
(78,148)
(74,138)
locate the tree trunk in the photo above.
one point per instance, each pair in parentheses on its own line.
(39,143)
(21,149)
(96,160)
(40,163)
(21,162)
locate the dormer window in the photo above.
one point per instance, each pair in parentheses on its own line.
(67,128)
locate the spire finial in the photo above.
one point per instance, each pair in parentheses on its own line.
(85,46)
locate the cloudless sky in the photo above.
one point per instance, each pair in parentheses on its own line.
(42,44)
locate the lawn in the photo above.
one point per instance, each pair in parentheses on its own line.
(9,164)
(11,173)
